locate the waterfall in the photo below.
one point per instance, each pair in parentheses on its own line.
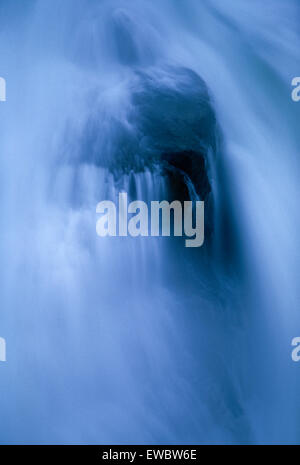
(120,340)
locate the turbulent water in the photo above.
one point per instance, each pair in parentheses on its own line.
(140,340)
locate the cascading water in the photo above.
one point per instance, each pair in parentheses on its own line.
(141,340)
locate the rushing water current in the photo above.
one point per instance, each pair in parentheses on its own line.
(140,340)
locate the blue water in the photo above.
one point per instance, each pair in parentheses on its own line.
(140,340)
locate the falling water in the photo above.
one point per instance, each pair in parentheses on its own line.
(140,340)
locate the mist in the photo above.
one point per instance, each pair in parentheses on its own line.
(139,340)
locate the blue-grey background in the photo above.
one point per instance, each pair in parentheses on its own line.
(142,341)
